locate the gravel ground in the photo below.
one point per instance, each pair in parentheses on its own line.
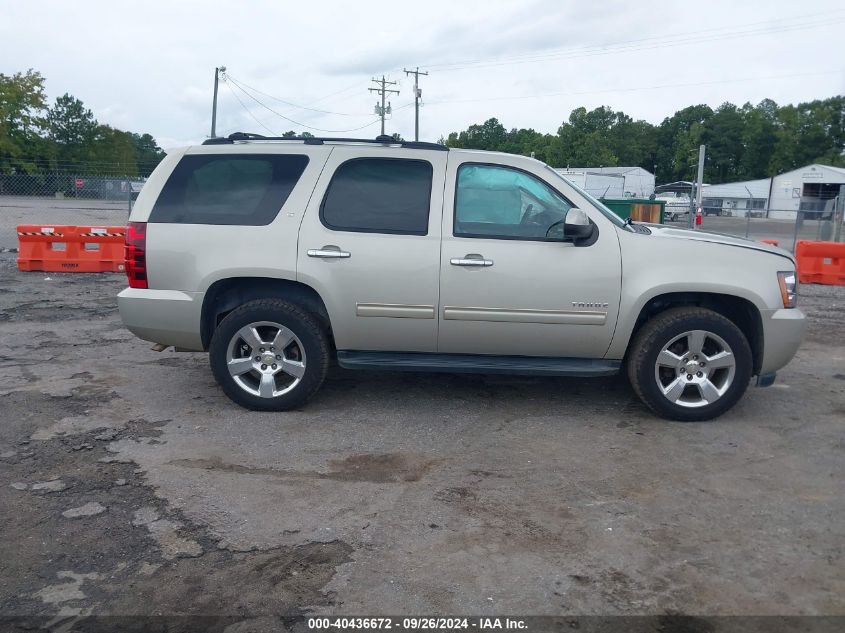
(15,210)
(130,485)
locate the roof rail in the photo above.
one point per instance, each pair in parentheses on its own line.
(319,140)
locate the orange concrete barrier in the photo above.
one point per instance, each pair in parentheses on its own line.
(71,249)
(772,242)
(820,262)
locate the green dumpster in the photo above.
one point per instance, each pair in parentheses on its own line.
(638,209)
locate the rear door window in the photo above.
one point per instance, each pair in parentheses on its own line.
(379,195)
(246,189)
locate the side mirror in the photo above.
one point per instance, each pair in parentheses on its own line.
(578,229)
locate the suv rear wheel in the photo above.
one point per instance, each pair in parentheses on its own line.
(690,364)
(269,355)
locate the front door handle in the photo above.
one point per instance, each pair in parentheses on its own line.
(328,252)
(471,259)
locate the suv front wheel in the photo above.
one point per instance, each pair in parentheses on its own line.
(269,355)
(690,364)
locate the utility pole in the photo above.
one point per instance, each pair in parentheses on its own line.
(383,90)
(417,94)
(217,71)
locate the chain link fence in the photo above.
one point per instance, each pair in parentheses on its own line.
(822,223)
(51,199)
(84,199)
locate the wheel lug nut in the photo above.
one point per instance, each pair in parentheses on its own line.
(264,367)
(278,357)
(689,376)
(701,363)
(694,357)
(262,349)
(273,365)
(257,358)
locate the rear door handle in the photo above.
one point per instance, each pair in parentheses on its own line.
(328,252)
(472,259)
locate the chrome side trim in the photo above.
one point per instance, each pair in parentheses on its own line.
(394,310)
(511,315)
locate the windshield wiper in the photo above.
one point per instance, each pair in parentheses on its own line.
(636,228)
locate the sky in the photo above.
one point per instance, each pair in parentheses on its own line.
(307,66)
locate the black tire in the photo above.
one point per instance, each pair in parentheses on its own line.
(661,330)
(311,334)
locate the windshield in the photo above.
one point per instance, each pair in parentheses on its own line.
(610,215)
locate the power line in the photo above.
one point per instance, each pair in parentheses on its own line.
(675,39)
(383,91)
(310,127)
(338,92)
(636,44)
(242,85)
(634,89)
(248,111)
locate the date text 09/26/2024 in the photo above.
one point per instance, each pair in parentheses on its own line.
(417,623)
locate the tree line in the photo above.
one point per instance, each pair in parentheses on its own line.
(743,142)
(64,137)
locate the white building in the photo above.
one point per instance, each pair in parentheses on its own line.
(810,189)
(611,182)
(737,198)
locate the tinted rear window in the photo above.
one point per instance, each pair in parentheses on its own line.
(245,189)
(379,195)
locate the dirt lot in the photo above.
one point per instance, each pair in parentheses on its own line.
(130,485)
(15,210)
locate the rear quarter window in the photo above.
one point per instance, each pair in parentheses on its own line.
(245,189)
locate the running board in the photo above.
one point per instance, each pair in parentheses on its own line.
(478,364)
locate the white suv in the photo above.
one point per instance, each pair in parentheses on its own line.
(275,255)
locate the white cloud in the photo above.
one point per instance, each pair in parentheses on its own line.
(148,67)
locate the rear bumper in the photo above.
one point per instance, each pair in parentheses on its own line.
(170,317)
(783,332)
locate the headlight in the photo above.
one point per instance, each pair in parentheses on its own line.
(788,288)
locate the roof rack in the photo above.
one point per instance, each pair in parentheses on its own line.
(383,139)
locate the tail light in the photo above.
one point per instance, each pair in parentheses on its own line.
(136,254)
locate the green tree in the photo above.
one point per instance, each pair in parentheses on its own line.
(678,138)
(72,129)
(490,135)
(758,139)
(23,109)
(634,142)
(112,151)
(808,133)
(584,140)
(148,153)
(723,138)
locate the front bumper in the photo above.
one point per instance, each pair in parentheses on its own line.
(169,317)
(783,332)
